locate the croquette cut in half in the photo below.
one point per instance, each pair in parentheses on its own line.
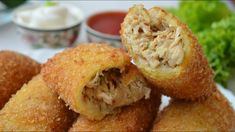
(35,108)
(167,53)
(95,79)
(15,70)
(136,117)
(212,114)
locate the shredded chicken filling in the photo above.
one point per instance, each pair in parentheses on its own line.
(108,90)
(157,44)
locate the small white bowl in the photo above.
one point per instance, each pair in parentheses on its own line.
(53,38)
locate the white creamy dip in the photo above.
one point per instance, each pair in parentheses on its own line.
(48,17)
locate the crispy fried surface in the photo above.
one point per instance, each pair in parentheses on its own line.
(68,72)
(191,80)
(35,108)
(133,118)
(15,70)
(212,114)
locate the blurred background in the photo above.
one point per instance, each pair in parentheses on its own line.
(40,28)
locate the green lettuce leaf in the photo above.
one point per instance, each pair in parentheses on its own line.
(199,15)
(218,43)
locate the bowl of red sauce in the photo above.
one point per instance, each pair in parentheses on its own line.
(104,27)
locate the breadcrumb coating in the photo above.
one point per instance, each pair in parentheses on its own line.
(176,65)
(77,76)
(15,70)
(212,114)
(35,108)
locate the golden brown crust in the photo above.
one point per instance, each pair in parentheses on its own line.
(15,70)
(68,72)
(35,108)
(193,79)
(212,114)
(133,118)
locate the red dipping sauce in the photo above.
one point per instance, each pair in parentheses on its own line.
(107,22)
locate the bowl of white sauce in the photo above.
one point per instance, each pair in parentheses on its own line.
(56,25)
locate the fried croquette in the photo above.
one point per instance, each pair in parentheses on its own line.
(15,70)
(132,118)
(35,108)
(212,114)
(95,79)
(167,53)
